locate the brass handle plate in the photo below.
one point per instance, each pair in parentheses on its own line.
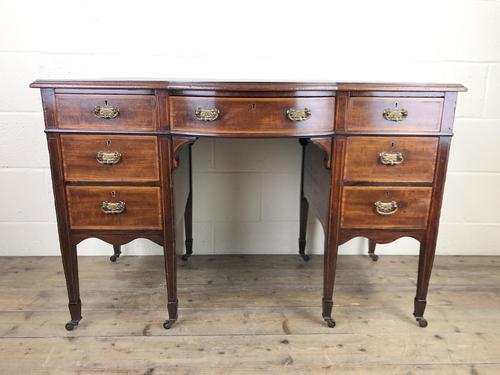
(104,157)
(106,112)
(298,114)
(386,208)
(203,114)
(391,158)
(395,114)
(113,208)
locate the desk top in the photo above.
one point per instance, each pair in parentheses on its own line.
(247,86)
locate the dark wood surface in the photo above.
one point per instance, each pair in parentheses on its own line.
(342,173)
(358,209)
(136,112)
(142,210)
(138,161)
(365,114)
(251,115)
(363,160)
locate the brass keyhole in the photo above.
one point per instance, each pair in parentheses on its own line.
(392,144)
(386,194)
(253,105)
(113,193)
(108,142)
(105,102)
(396,105)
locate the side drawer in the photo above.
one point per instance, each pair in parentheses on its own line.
(373,114)
(106,112)
(110,158)
(114,207)
(390,159)
(385,207)
(251,115)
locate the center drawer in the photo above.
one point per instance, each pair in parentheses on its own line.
(390,159)
(110,158)
(207,115)
(114,207)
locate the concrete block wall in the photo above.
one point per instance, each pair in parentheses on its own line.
(246,191)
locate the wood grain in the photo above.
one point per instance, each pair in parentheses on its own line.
(365,114)
(358,207)
(251,115)
(143,207)
(362,160)
(137,112)
(139,158)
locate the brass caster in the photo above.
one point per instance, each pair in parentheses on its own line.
(71,325)
(422,322)
(114,258)
(167,324)
(185,257)
(331,322)
(374,257)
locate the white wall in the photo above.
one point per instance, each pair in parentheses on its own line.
(426,41)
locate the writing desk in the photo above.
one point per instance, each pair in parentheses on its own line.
(373,165)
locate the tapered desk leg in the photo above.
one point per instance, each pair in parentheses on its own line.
(304,207)
(371,250)
(168,230)
(188,213)
(117,252)
(330,266)
(70,265)
(425,262)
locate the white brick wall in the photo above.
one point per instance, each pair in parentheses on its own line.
(246,191)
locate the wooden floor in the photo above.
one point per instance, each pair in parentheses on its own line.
(250,315)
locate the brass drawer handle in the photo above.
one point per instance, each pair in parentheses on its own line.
(210,114)
(395,114)
(113,208)
(298,114)
(106,112)
(386,208)
(113,157)
(391,158)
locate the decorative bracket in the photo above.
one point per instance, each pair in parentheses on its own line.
(178,142)
(324,143)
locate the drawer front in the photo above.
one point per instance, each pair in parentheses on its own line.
(110,158)
(390,159)
(394,114)
(114,207)
(385,207)
(106,112)
(251,115)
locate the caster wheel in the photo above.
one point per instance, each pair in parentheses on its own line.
(185,257)
(167,324)
(71,325)
(305,257)
(422,322)
(374,257)
(113,258)
(331,322)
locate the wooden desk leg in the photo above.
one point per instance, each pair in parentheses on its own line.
(70,265)
(304,207)
(330,260)
(68,250)
(167,159)
(117,252)
(371,250)
(188,213)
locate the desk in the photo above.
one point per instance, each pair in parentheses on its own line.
(373,165)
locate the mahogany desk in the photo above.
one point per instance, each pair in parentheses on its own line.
(373,165)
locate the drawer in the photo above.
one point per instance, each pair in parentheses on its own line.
(106,112)
(114,207)
(110,158)
(390,159)
(385,207)
(394,114)
(251,115)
